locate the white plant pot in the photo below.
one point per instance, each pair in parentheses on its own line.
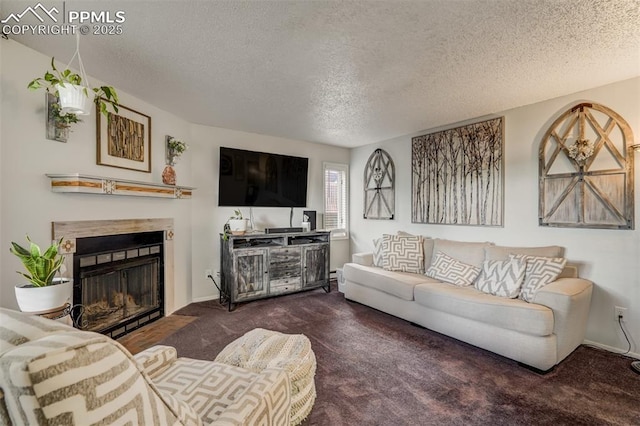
(42,299)
(74,99)
(238,226)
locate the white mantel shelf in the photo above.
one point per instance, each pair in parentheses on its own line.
(76,182)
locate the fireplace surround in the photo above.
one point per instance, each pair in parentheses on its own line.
(122,270)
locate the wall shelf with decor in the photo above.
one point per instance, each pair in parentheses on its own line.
(86,184)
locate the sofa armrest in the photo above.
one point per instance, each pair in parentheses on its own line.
(364,259)
(156,359)
(570,300)
(274,388)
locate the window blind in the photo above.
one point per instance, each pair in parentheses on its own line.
(336,199)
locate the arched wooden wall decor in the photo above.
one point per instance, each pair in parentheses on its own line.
(586,170)
(379,186)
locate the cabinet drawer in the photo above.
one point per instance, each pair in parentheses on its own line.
(289,272)
(287,255)
(285,285)
(290,282)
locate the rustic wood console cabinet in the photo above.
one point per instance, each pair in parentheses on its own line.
(256,266)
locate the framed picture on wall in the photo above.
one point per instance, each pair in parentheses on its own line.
(457,175)
(124,139)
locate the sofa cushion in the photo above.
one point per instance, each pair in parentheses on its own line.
(447,269)
(540,272)
(503,252)
(469,253)
(402,253)
(399,284)
(211,388)
(501,312)
(502,277)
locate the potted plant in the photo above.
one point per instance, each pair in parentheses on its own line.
(237,224)
(61,121)
(44,291)
(175,148)
(73,95)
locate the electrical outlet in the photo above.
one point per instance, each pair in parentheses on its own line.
(207,272)
(619,311)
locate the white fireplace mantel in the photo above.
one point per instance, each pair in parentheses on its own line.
(79,183)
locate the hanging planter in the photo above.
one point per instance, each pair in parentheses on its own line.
(77,99)
(73,99)
(72,89)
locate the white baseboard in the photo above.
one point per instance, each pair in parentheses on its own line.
(611,349)
(205,298)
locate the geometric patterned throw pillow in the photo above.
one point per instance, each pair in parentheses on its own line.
(377,252)
(540,271)
(403,253)
(502,277)
(446,268)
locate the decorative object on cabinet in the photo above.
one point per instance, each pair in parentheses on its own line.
(44,292)
(124,140)
(58,124)
(236,225)
(457,175)
(586,170)
(75,182)
(264,265)
(379,186)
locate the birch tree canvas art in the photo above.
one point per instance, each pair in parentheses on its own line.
(457,175)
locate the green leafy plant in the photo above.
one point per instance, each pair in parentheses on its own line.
(237,215)
(103,95)
(62,120)
(41,267)
(177,147)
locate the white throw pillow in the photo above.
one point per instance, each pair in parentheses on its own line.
(502,278)
(540,271)
(402,253)
(447,269)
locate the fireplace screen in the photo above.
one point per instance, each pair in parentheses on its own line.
(111,296)
(118,282)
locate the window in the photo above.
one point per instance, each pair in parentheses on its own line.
(336,192)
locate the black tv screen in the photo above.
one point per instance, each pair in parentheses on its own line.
(260,179)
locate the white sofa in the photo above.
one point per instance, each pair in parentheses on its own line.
(539,334)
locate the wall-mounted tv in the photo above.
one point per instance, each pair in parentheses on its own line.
(261,179)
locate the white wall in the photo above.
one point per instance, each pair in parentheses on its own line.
(609,258)
(209,219)
(28,206)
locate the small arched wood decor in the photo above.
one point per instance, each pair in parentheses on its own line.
(379,186)
(586,170)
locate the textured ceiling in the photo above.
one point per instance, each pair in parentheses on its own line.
(357,72)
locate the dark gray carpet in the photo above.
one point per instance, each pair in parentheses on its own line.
(375,369)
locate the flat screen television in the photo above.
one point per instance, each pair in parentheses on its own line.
(261,179)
